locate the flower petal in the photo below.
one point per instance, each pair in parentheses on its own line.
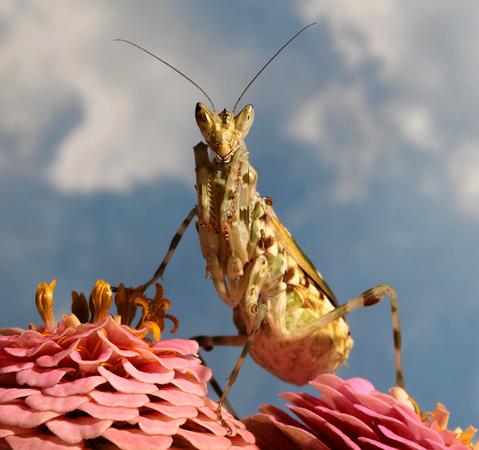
(204,441)
(175,412)
(127,439)
(328,433)
(181,346)
(80,386)
(42,402)
(42,378)
(125,385)
(53,360)
(22,416)
(268,432)
(391,422)
(179,398)
(157,423)
(371,444)
(399,440)
(8,394)
(91,365)
(119,399)
(46,347)
(117,350)
(200,372)
(151,373)
(214,426)
(117,413)
(11,430)
(175,362)
(78,429)
(189,386)
(349,424)
(16,366)
(41,441)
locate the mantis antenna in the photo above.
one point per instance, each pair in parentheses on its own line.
(270,60)
(170,66)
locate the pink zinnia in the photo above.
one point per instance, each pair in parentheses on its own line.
(351,414)
(103,385)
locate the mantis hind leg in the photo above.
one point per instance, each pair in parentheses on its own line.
(173,244)
(368,298)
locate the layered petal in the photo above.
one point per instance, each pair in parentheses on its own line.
(102,385)
(351,414)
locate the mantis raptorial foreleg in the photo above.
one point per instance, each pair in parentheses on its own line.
(233,227)
(258,274)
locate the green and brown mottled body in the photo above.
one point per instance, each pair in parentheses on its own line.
(252,259)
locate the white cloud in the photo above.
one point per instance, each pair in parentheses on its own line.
(426,60)
(132,119)
(131,122)
(345,132)
(361,30)
(416,124)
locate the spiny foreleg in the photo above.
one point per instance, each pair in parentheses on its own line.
(208,228)
(257,309)
(233,226)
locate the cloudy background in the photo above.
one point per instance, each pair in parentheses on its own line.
(365,136)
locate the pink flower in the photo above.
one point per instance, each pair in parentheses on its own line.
(351,414)
(102,385)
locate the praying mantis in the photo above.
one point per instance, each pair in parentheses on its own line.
(287,316)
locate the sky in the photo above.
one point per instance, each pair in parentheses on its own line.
(365,136)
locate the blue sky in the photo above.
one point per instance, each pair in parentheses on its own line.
(365,136)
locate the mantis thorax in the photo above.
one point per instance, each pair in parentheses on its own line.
(224,132)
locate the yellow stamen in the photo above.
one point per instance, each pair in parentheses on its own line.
(153,311)
(44,301)
(71,321)
(157,310)
(439,418)
(101,298)
(154,329)
(465,437)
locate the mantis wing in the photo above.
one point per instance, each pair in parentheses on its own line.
(293,249)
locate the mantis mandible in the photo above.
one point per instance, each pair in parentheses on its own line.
(287,316)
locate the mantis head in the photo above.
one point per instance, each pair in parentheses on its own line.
(224,132)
